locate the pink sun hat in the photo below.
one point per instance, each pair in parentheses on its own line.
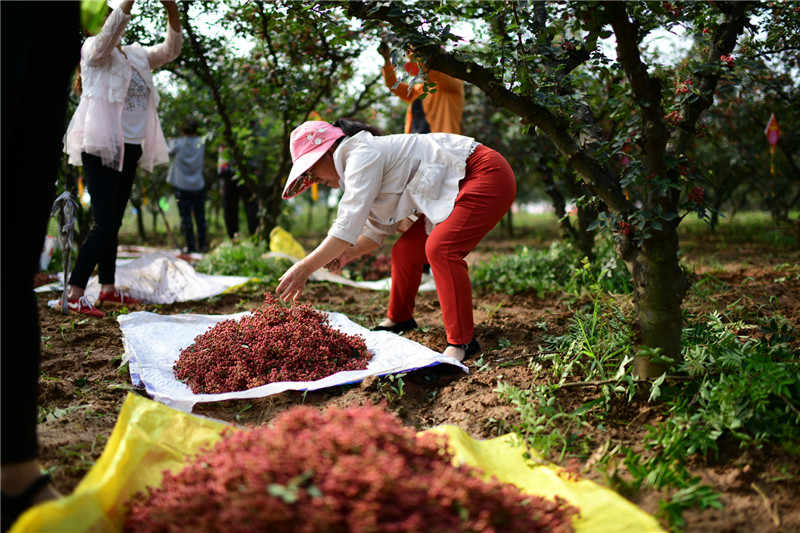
(307,144)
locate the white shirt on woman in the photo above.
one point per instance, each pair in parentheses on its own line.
(389,178)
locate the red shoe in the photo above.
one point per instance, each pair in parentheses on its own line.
(81,305)
(117,297)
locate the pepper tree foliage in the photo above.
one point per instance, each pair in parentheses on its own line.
(543,61)
(252,72)
(735,151)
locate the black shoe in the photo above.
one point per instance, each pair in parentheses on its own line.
(470,349)
(434,373)
(14,506)
(400,327)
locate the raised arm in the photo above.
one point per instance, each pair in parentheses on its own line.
(97,48)
(390,78)
(171,47)
(172,14)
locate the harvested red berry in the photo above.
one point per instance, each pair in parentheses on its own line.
(351,470)
(276,343)
(370,267)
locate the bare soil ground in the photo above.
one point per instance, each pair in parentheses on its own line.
(82,387)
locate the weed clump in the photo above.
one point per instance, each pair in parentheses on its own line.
(343,470)
(275,343)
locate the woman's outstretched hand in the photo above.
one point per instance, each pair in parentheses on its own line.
(292,282)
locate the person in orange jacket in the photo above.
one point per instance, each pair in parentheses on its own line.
(439,111)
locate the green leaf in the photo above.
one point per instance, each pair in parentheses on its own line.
(284,493)
(655,391)
(93,14)
(588,406)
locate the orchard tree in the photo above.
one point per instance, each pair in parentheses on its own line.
(743,171)
(256,70)
(293,69)
(767,84)
(540,62)
(740,171)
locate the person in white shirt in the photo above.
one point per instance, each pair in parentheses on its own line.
(444,191)
(114,129)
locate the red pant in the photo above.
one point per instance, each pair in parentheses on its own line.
(485,195)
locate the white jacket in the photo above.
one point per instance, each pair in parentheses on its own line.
(96,126)
(389,178)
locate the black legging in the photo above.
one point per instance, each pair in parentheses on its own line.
(231,193)
(38,62)
(192,204)
(110,190)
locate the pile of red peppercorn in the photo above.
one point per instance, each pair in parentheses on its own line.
(272,344)
(357,469)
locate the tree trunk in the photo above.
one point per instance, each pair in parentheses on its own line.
(659,288)
(585,238)
(509,220)
(310,217)
(580,236)
(137,203)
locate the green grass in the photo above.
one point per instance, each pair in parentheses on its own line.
(747,226)
(559,267)
(728,387)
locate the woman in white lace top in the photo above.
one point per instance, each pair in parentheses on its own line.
(115,129)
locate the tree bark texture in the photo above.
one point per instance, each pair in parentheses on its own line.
(659,286)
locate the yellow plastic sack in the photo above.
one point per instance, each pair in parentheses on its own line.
(150,437)
(601,509)
(281,241)
(147,439)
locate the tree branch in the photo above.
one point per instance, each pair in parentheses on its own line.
(723,43)
(646,89)
(206,75)
(557,128)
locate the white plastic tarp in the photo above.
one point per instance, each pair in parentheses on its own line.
(153,343)
(161,278)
